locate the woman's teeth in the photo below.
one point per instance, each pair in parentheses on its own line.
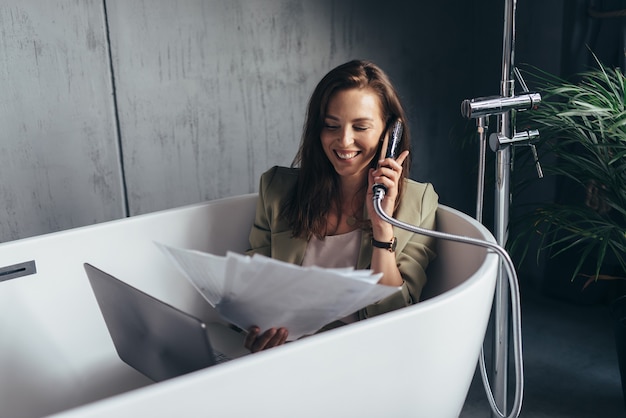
(346,156)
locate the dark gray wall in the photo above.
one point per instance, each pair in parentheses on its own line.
(116,108)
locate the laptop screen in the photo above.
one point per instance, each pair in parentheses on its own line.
(151,336)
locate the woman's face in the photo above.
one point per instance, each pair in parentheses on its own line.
(352,130)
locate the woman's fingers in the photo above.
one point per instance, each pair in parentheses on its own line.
(401,158)
(390,169)
(270,338)
(263,340)
(251,337)
(283,334)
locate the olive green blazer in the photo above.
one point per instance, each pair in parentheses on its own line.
(271,235)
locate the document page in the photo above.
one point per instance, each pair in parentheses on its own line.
(268,293)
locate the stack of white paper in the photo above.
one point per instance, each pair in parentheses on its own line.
(261,291)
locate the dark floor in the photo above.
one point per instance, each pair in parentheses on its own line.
(570,362)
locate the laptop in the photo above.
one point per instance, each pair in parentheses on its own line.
(155,338)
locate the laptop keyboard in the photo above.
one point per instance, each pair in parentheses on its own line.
(220,357)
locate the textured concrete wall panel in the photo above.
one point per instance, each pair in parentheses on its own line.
(58,154)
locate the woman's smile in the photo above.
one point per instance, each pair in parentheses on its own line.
(346,155)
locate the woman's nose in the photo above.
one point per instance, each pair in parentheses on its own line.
(346,137)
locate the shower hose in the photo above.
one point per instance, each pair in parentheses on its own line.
(379,193)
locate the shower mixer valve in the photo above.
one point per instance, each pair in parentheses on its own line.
(483,107)
(497,141)
(495,105)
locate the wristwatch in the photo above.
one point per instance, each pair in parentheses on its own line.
(389,246)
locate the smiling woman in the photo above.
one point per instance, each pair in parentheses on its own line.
(320,211)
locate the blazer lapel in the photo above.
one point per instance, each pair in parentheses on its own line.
(288,249)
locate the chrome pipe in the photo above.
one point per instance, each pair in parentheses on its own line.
(500,359)
(482,128)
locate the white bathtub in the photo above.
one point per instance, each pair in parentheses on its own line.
(56,356)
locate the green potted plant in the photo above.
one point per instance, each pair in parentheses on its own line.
(583,133)
(582,124)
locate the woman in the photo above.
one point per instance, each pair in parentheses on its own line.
(320,211)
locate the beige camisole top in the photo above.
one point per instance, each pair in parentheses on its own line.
(336,251)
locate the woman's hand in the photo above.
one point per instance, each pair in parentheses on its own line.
(388,174)
(270,338)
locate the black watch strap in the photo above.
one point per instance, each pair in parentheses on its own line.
(389,246)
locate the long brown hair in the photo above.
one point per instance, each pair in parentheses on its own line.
(318,182)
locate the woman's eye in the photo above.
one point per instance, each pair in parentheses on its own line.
(360,128)
(330,127)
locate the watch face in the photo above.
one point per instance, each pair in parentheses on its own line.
(394,244)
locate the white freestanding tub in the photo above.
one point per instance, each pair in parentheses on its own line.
(56,356)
